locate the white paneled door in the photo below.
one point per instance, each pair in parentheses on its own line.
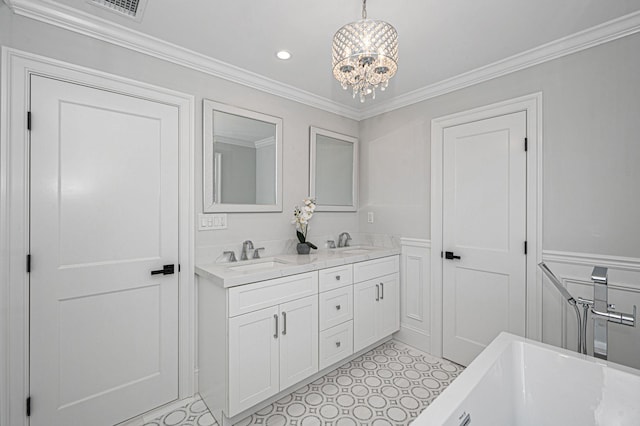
(104,216)
(484,234)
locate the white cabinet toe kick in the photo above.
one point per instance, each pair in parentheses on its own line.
(258,342)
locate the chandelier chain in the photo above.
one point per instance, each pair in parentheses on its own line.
(364,9)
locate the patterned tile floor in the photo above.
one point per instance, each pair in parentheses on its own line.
(389,385)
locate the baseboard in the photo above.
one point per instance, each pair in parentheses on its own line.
(411,336)
(158,412)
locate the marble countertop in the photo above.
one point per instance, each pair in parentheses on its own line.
(222,275)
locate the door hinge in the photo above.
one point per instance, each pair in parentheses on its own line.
(525,247)
(28,120)
(28,406)
(442,254)
(28,263)
(526,144)
(178,267)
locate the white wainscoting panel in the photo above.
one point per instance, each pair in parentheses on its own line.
(415,294)
(574,270)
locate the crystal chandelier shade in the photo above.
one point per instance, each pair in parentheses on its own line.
(365,55)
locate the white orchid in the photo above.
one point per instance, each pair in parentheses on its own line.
(301,217)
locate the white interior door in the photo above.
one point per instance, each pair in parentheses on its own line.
(104,214)
(484,222)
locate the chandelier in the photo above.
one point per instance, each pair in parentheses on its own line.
(365,55)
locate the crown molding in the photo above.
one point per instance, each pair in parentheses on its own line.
(92,26)
(80,22)
(263,143)
(594,36)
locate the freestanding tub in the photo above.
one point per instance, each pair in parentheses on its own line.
(520,382)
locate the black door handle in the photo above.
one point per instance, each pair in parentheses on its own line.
(166,270)
(449,255)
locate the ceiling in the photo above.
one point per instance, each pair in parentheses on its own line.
(438,40)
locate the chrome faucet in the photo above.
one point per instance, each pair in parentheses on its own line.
(602,315)
(601,311)
(599,276)
(231,254)
(347,238)
(256,253)
(247,245)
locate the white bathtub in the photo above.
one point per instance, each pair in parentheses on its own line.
(519,382)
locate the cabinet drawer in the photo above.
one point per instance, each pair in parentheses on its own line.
(370,269)
(336,307)
(251,297)
(339,276)
(336,344)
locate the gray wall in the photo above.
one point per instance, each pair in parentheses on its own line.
(591,122)
(591,132)
(32,36)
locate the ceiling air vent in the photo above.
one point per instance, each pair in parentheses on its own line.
(130,8)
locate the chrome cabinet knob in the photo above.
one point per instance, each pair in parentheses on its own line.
(337,344)
(337,277)
(337,307)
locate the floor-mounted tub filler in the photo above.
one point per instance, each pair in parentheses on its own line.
(520,382)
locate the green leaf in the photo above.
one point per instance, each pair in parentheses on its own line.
(300,236)
(311,245)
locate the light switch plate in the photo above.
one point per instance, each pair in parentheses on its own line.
(211,222)
(370,217)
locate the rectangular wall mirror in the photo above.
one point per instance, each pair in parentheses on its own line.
(333,170)
(242,160)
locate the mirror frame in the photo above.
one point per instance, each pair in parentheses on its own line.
(314,132)
(211,181)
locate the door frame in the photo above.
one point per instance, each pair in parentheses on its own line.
(532,104)
(17,67)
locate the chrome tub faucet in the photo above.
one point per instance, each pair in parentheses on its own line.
(602,315)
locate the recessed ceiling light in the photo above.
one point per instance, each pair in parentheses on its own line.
(283,54)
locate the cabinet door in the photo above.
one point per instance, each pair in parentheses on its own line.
(388,315)
(253,359)
(366,297)
(298,340)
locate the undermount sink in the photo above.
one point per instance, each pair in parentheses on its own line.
(254,266)
(356,250)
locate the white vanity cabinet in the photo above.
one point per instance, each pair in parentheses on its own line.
(255,340)
(270,350)
(273,348)
(336,314)
(376,312)
(259,340)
